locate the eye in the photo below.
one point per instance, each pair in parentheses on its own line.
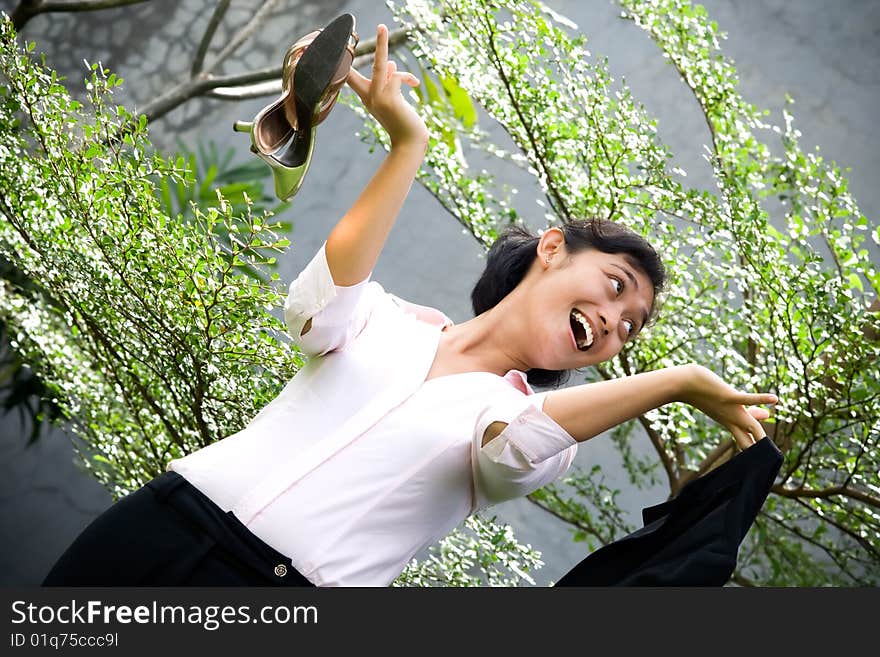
(632,326)
(619,282)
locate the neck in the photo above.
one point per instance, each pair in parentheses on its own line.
(489,341)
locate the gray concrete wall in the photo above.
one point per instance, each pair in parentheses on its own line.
(827,55)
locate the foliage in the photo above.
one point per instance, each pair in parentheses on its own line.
(152,343)
(20,388)
(207,172)
(481,554)
(769,284)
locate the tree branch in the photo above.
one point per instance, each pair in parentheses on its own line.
(870,549)
(812,541)
(243,34)
(846,491)
(216,17)
(712,457)
(578,523)
(539,154)
(653,435)
(188,89)
(200,86)
(27,9)
(267,82)
(657,442)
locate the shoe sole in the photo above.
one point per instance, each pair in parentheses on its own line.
(316,68)
(315,72)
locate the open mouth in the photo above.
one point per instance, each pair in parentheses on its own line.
(580,328)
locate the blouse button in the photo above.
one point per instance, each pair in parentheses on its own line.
(281,570)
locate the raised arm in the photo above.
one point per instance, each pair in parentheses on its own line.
(354,245)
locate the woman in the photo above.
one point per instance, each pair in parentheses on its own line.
(402,423)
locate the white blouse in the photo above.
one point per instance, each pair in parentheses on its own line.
(359,462)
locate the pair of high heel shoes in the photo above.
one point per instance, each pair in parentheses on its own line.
(315,69)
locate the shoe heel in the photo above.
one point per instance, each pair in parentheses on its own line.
(289,171)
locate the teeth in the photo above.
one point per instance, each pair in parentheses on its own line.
(587,330)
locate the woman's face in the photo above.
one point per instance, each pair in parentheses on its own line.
(612,296)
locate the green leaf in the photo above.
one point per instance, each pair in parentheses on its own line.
(462,106)
(434,95)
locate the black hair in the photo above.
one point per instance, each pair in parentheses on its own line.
(513,253)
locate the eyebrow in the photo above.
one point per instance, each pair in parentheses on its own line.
(635,285)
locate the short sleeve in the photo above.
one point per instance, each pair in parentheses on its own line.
(338,313)
(531,451)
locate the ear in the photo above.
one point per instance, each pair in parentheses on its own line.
(551,245)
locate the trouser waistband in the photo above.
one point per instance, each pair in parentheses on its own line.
(227,530)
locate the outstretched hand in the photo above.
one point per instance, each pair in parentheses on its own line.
(727,405)
(382,97)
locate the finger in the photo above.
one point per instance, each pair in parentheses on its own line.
(758,413)
(404,77)
(743,440)
(394,78)
(758,398)
(380,57)
(753,432)
(359,83)
(756,430)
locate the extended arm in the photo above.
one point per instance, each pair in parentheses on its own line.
(587,410)
(354,245)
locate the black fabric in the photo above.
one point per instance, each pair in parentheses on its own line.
(692,539)
(168,533)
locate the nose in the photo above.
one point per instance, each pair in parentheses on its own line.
(604,323)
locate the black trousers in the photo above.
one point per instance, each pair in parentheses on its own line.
(168,533)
